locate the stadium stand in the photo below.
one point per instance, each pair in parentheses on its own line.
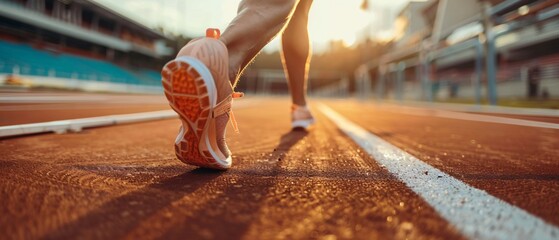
(57,41)
(24,60)
(440,53)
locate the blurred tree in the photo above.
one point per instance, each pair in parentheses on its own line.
(177,40)
(345,60)
(327,67)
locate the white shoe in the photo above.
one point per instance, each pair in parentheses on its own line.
(198,89)
(301,117)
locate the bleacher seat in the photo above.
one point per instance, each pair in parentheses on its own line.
(42,63)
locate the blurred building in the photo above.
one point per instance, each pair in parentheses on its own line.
(79,44)
(469,49)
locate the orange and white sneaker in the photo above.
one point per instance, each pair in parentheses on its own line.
(301,117)
(197,85)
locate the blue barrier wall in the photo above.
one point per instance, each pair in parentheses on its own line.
(30,61)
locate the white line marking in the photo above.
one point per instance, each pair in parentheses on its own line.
(472,211)
(50,99)
(76,125)
(460,107)
(470,117)
(43,107)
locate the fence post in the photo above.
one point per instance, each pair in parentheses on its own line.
(400,80)
(380,82)
(490,53)
(425,65)
(479,73)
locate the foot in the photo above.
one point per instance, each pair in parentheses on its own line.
(197,85)
(301,117)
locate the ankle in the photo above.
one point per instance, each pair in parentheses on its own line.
(235,60)
(234,74)
(299,103)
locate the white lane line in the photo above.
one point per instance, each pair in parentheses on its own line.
(81,98)
(57,106)
(470,117)
(472,211)
(76,125)
(460,107)
(50,99)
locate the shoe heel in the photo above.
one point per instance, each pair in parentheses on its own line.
(186,87)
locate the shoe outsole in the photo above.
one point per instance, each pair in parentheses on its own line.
(187,93)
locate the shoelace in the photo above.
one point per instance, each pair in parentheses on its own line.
(235,95)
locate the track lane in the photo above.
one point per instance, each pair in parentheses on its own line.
(22,108)
(124,181)
(514,163)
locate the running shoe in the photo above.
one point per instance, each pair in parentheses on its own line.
(301,117)
(197,86)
